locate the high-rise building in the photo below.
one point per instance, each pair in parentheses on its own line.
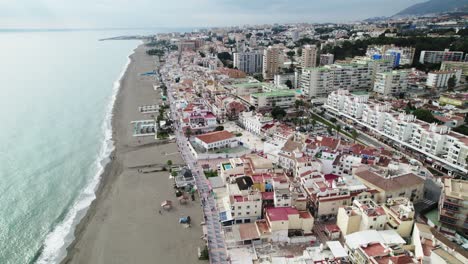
(309,56)
(326,59)
(453,204)
(391,83)
(249,62)
(428,56)
(452,65)
(403,55)
(272,61)
(355,75)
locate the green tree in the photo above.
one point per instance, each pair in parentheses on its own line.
(219,128)
(425,115)
(329,130)
(291,54)
(298,104)
(314,122)
(289,84)
(452,82)
(278,112)
(354,134)
(333,120)
(169,163)
(188,132)
(338,130)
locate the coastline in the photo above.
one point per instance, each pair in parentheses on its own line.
(95,233)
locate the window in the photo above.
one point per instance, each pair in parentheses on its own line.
(248,206)
(239,207)
(375,219)
(371,227)
(238,213)
(381,225)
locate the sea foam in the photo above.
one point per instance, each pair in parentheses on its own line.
(57,241)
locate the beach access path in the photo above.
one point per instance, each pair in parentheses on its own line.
(123,225)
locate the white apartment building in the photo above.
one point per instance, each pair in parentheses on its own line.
(281,79)
(249,62)
(272,60)
(391,83)
(439,79)
(357,75)
(309,56)
(429,56)
(281,98)
(253,122)
(435,141)
(326,59)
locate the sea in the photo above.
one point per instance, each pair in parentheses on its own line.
(57,93)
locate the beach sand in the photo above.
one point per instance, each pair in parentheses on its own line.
(123,224)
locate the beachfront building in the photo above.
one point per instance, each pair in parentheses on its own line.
(268,100)
(309,56)
(249,62)
(364,214)
(282,220)
(216,140)
(438,142)
(326,59)
(272,61)
(453,205)
(429,56)
(391,83)
(440,79)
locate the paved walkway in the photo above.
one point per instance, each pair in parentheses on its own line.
(215,236)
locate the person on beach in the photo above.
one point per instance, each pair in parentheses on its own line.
(160,212)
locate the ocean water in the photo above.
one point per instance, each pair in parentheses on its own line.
(57,91)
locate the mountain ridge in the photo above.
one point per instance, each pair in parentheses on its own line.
(434,7)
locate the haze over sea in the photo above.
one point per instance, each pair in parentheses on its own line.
(57,89)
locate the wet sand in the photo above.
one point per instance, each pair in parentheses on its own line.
(123,224)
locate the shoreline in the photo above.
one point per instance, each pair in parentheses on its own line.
(113,167)
(112,215)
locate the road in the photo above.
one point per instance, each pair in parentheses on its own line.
(215,236)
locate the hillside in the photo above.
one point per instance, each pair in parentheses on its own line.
(434,6)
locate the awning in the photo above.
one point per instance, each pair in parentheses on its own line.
(225,216)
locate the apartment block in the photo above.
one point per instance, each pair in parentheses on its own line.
(440,79)
(326,59)
(281,98)
(364,214)
(391,83)
(309,56)
(248,62)
(453,205)
(435,141)
(272,60)
(429,56)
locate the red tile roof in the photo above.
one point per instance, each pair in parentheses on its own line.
(390,184)
(215,136)
(280,213)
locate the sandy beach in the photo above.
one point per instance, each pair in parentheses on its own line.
(123,224)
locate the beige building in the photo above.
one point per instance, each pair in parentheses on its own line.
(309,56)
(406,185)
(282,219)
(272,61)
(365,214)
(453,204)
(400,215)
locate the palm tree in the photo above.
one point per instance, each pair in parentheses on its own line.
(188,132)
(354,134)
(338,129)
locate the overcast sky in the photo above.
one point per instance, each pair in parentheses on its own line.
(186,13)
